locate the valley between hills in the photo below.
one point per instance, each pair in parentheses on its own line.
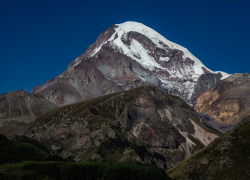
(134,105)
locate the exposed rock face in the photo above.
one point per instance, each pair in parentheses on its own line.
(143,124)
(222,127)
(228,101)
(18,108)
(126,56)
(205,82)
(73,85)
(227,157)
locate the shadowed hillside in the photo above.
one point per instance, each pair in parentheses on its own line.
(227,157)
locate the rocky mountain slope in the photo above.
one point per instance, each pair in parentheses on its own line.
(222,127)
(144,124)
(18,108)
(227,157)
(205,82)
(126,56)
(228,101)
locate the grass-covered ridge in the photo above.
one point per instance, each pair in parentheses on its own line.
(81,170)
(227,157)
(11,152)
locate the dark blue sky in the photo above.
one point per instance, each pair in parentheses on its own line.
(39,38)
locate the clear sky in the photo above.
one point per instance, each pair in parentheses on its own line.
(39,38)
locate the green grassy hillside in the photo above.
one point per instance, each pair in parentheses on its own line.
(226,158)
(22,161)
(11,152)
(80,170)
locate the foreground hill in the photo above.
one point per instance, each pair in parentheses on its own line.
(18,108)
(227,157)
(143,124)
(228,101)
(80,170)
(40,166)
(12,152)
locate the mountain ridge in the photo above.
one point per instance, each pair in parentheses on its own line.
(142,124)
(18,108)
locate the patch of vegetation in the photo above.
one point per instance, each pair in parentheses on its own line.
(85,155)
(159,156)
(81,170)
(113,148)
(11,152)
(227,157)
(198,145)
(94,111)
(50,167)
(211,129)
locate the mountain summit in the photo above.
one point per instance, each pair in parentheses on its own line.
(126,56)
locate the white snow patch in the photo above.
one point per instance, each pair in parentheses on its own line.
(145,60)
(164,59)
(157,38)
(77,61)
(97,49)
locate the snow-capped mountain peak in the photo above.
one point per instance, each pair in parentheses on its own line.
(126,56)
(136,48)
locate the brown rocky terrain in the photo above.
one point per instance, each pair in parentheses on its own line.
(144,124)
(222,127)
(18,108)
(227,157)
(228,101)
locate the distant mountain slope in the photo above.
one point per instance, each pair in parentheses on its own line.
(144,124)
(228,101)
(227,157)
(126,56)
(18,108)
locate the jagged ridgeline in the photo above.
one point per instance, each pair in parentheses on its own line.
(227,157)
(26,162)
(144,125)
